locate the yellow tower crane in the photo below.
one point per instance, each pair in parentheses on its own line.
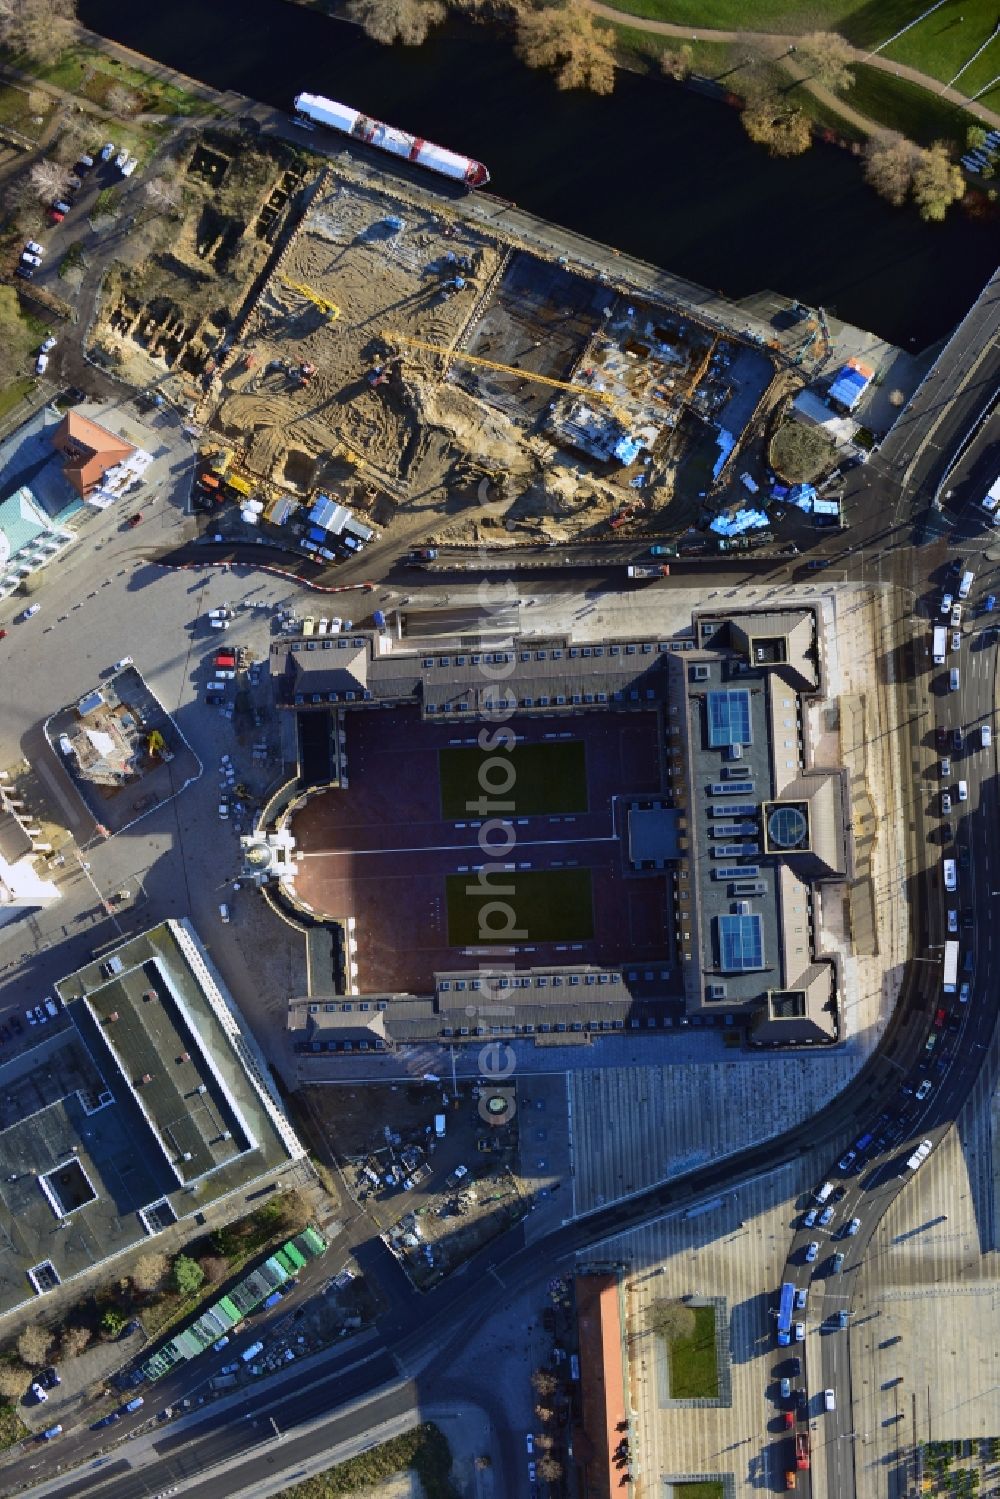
(330,309)
(505,369)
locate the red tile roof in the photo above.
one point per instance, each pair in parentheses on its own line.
(602,1384)
(89,451)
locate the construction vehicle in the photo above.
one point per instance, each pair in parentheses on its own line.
(328,308)
(621,516)
(648,570)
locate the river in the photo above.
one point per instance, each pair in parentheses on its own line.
(657,170)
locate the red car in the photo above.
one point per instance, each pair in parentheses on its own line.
(225,660)
(940,1018)
(789,1418)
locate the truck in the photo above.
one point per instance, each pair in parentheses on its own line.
(940,649)
(991,502)
(223,1381)
(648,570)
(950,984)
(919,1156)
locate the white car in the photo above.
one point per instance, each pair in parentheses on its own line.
(956,615)
(223,810)
(810,1218)
(964,992)
(853,1226)
(986,736)
(946,602)
(811,1252)
(121,665)
(800,1332)
(41,364)
(924,1089)
(39,1393)
(49,344)
(30,259)
(30,612)
(952,922)
(336,625)
(35,249)
(108,151)
(801,1296)
(956,640)
(829,1400)
(825,1216)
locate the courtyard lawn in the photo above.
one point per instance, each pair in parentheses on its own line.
(547,905)
(546,778)
(694,1371)
(700,1488)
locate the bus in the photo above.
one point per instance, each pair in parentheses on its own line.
(950,967)
(785,1314)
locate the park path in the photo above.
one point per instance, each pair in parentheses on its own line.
(781,41)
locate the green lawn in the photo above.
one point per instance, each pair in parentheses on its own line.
(939,45)
(750,15)
(16,113)
(545,905)
(694,1371)
(702,1488)
(13,395)
(898,105)
(546,778)
(90,74)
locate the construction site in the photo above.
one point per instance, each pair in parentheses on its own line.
(396,352)
(343,341)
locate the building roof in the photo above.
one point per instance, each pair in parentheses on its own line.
(88,450)
(114,1128)
(602,1384)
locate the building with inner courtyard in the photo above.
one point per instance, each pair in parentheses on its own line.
(559,839)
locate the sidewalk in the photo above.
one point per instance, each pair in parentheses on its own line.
(783,41)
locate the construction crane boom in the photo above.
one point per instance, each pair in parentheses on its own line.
(505,369)
(331,309)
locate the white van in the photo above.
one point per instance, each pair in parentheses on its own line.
(953,679)
(963,791)
(965,587)
(322,625)
(824,1192)
(950,875)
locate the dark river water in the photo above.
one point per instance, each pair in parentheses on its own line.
(659,171)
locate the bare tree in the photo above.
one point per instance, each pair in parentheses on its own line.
(545,1414)
(73,1341)
(121,101)
(890,161)
(937,183)
(163,192)
(778,124)
(33,1344)
(544,1383)
(564,37)
(549,1469)
(676,64)
(13,1381)
(42,28)
(404,21)
(670,1319)
(49,180)
(827,56)
(215,1267)
(149,1272)
(544,1441)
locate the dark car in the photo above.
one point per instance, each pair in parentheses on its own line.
(817,563)
(106,1421)
(968,917)
(942,734)
(802,1400)
(964,857)
(958,738)
(50,1377)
